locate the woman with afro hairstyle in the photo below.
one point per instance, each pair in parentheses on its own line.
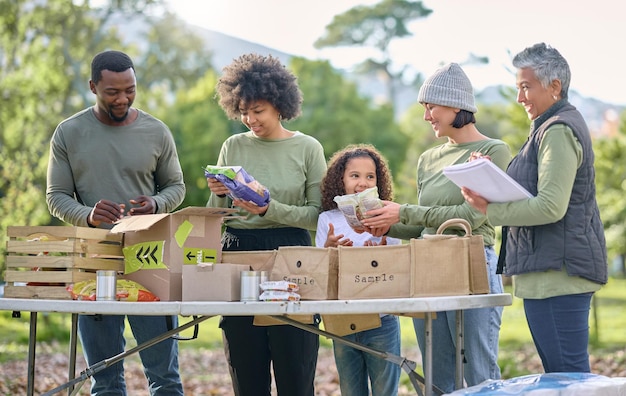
(353,170)
(261,93)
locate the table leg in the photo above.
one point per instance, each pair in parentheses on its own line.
(428,355)
(32,346)
(73,339)
(460,350)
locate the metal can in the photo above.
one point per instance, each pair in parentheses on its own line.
(263,277)
(250,281)
(106,285)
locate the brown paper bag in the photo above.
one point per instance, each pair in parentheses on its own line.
(313,269)
(258,260)
(342,325)
(448,265)
(374,272)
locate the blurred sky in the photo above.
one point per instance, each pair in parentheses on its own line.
(589,34)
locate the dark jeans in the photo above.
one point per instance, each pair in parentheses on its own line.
(560,329)
(250,350)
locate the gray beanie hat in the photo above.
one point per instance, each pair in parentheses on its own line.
(448,86)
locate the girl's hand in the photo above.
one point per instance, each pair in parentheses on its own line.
(383,241)
(333,240)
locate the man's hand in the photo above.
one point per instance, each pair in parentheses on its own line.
(146,205)
(105,211)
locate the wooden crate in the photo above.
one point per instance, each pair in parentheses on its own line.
(42,261)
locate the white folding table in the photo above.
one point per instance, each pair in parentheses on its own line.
(202,310)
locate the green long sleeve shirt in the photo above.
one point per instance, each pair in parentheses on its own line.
(291,168)
(90,161)
(439,199)
(560,154)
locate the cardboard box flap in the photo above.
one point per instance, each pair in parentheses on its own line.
(144,222)
(206,211)
(137,223)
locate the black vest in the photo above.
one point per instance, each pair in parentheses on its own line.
(577,240)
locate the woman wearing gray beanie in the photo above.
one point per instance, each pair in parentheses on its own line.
(448,100)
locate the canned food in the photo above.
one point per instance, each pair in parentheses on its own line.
(250,281)
(106,285)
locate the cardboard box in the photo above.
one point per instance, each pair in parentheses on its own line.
(42,261)
(374,272)
(156,246)
(212,282)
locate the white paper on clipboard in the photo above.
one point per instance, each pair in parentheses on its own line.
(485,178)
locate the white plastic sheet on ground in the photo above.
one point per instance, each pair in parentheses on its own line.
(552,384)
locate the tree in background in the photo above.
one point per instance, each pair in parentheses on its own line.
(336,114)
(200,127)
(610,184)
(45,52)
(376,27)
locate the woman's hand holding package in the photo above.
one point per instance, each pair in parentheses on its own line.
(251,207)
(378,221)
(217,187)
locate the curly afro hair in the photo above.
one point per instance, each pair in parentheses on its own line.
(253,77)
(332,184)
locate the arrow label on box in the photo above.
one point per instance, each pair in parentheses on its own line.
(199,255)
(144,255)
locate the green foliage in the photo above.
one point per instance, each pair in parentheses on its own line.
(200,127)
(610,163)
(337,115)
(44,68)
(419,137)
(375,26)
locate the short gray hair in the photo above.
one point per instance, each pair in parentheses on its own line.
(547,63)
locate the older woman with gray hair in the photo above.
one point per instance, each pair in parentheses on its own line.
(553,244)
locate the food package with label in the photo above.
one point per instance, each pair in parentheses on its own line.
(354,206)
(240,184)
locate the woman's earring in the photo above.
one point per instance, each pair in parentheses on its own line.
(554,97)
(280,117)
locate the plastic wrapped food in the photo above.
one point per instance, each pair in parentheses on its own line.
(127,290)
(278,295)
(279,286)
(354,206)
(240,184)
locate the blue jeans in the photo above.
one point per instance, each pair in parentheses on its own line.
(355,367)
(481,334)
(102,337)
(560,329)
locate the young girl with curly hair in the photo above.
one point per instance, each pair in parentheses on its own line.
(262,93)
(353,170)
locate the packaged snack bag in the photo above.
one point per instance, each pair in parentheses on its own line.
(354,206)
(279,295)
(127,290)
(240,184)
